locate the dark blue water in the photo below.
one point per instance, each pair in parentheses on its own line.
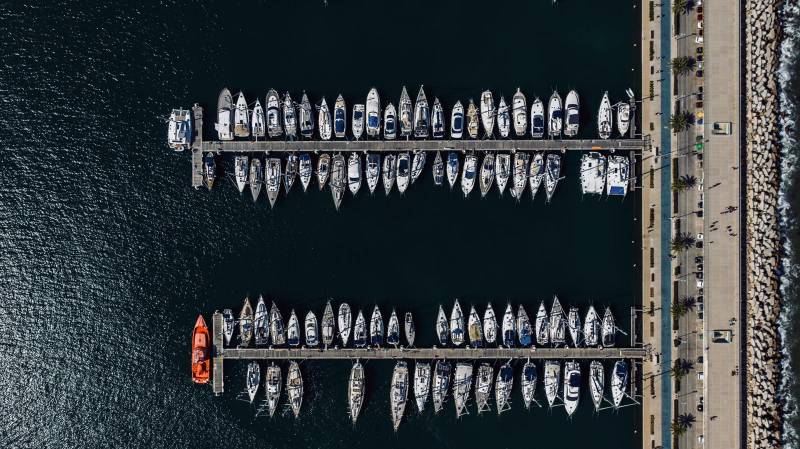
(108,255)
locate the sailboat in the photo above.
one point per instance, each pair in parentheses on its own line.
(357,122)
(519,175)
(246,323)
(403,171)
(418,164)
(240,172)
(503,118)
(328,325)
(524,330)
(509,327)
(356,390)
(294,387)
(555,115)
(593,173)
(557,323)
(537,119)
(273,179)
(529,378)
(224,115)
(373,171)
(324,120)
(503,171)
(376,327)
(474,328)
(452,168)
(605,119)
(468,174)
(487,112)
(489,325)
(344,320)
(291,172)
(253,379)
(442,327)
(289,116)
(457,121)
(261,322)
(472,120)
(619,382)
(573,114)
(354,172)
(228,323)
(305,170)
(293,330)
(596,383)
(410,329)
(276,329)
(552,174)
(519,110)
(306,117)
(441,384)
(572,386)
(256,178)
(623,118)
(591,328)
(273,386)
(536,173)
(406,114)
(241,122)
(552,380)
(373,113)
(438,169)
(258,121)
(502,388)
(483,387)
(312,334)
(421,115)
(393,330)
(389,172)
(360,331)
(462,387)
(399,393)
(457,325)
(542,326)
(487,173)
(422,383)
(608,329)
(389,122)
(574,325)
(274,127)
(323,169)
(340,118)
(437,119)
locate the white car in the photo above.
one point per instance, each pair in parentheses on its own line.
(698,40)
(699,283)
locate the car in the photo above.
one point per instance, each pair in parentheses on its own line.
(698,73)
(699,283)
(700,205)
(699,57)
(698,213)
(698,275)
(699,236)
(700,311)
(700,361)
(699,50)
(698,244)
(700,16)
(698,299)
(700,376)
(700,439)
(700,24)
(698,259)
(698,40)
(700,408)
(699,267)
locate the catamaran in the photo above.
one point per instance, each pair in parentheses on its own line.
(457,121)
(593,173)
(373,113)
(246,323)
(356,390)
(462,388)
(617,175)
(273,179)
(524,330)
(403,171)
(487,112)
(452,168)
(373,171)
(536,173)
(591,328)
(574,325)
(406,114)
(305,170)
(253,379)
(294,387)
(438,169)
(519,175)
(483,387)
(537,119)
(354,172)
(273,386)
(441,383)
(623,118)
(410,329)
(509,327)
(552,175)
(437,119)
(457,325)
(376,327)
(557,323)
(179,130)
(519,110)
(503,171)
(209,170)
(474,328)
(490,325)
(306,117)
(555,115)
(502,388)
(256,178)
(393,330)
(619,382)
(261,322)
(293,330)
(241,122)
(389,122)
(324,120)
(312,334)
(529,378)
(289,116)
(421,115)
(344,320)
(503,118)
(542,326)
(472,120)
(240,172)
(228,324)
(328,325)
(418,164)
(340,117)
(358,120)
(573,114)
(552,380)
(389,172)
(258,121)
(323,169)
(487,173)
(608,330)
(572,386)
(291,171)
(468,174)
(422,383)
(596,383)
(442,327)
(605,119)
(224,115)
(360,331)
(274,127)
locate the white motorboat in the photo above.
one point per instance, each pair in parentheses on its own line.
(474,327)
(356,390)
(338,179)
(608,330)
(552,174)
(555,116)
(292,164)
(389,122)
(591,328)
(441,384)
(452,168)
(360,331)
(406,114)
(542,326)
(509,327)
(502,388)
(519,111)
(457,325)
(324,120)
(558,325)
(468,174)
(393,330)
(274,127)
(289,116)
(273,386)
(572,116)
(340,118)
(487,112)
(418,164)
(373,171)
(503,118)
(240,172)
(305,171)
(457,121)
(409,328)
(524,330)
(422,383)
(503,171)
(574,326)
(438,169)
(373,113)
(537,119)
(224,125)
(490,325)
(354,172)
(228,323)
(572,386)
(241,120)
(519,174)
(376,327)
(618,175)
(261,322)
(179,130)
(358,120)
(328,325)
(246,323)
(398,394)
(421,115)
(536,173)
(596,383)
(483,387)
(619,382)
(389,172)
(403,171)
(256,178)
(293,330)
(273,179)
(462,388)
(472,120)
(294,387)
(437,119)
(529,378)
(605,119)
(552,380)
(442,327)
(253,379)
(306,117)
(323,169)
(623,118)
(312,332)
(593,173)
(487,173)
(258,120)
(345,320)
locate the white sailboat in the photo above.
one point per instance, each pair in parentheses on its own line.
(409,328)
(605,119)
(555,116)
(306,117)
(503,118)
(246,323)
(294,388)
(360,331)
(403,172)
(376,327)
(572,386)
(393,330)
(519,175)
(441,384)
(468,174)
(502,388)
(273,386)
(442,327)
(256,178)
(558,323)
(437,119)
(623,118)
(289,116)
(223,126)
(608,329)
(487,112)
(462,388)
(324,121)
(619,382)
(574,326)
(312,333)
(475,329)
(323,169)
(573,114)
(593,173)
(338,179)
(457,325)
(354,172)
(452,168)
(305,171)
(328,325)
(241,121)
(406,114)
(591,328)
(536,173)
(418,164)
(421,115)
(258,120)
(356,390)
(487,173)
(552,174)
(253,379)
(389,172)
(240,172)
(344,320)
(542,326)
(373,171)
(519,110)
(261,323)
(472,120)
(490,325)
(529,378)
(293,330)
(276,328)
(438,169)
(483,387)
(618,175)
(524,330)
(503,171)
(274,127)
(596,383)
(552,380)
(509,327)
(422,383)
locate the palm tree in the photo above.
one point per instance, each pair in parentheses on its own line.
(689,180)
(681,242)
(688,302)
(677,310)
(677,429)
(681,368)
(682,6)
(686,420)
(679,185)
(681,121)
(682,65)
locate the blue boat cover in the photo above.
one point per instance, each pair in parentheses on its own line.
(458,123)
(538,122)
(617,190)
(373,121)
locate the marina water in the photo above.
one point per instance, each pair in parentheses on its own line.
(108,255)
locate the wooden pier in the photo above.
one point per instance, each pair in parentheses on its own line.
(197,146)
(220,353)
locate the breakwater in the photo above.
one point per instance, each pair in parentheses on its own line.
(763,359)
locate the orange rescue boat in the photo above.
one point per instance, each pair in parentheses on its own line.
(201,362)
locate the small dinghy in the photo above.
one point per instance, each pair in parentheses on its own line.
(376,327)
(462,388)
(305,171)
(552,175)
(360,331)
(354,172)
(487,112)
(294,387)
(261,322)
(273,385)
(487,173)
(574,325)
(519,111)
(373,113)
(483,387)
(591,328)
(373,171)
(292,164)
(418,164)
(503,118)
(293,330)
(529,377)
(422,383)
(596,383)
(340,118)
(323,169)
(468,174)
(537,119)
(410,329)
(209,170)
(509,327)
(441,384)
(403,172)
(344,320)
(605,119)
(324,121)
(452,168)
(457,325)
(389,172)
(437,119)
(608,330)
(524,330)
(519,175)
(542,326)
(572,386)
(503,171)
(490,325)
(398,395)
(502,388)
(312,334)
(552,380)
(253,379)
(328,325)
(573,114)
(472,120)
(246,323)
(224,115)
(457,121)
(338,180)
(289,117)
(406,114)
(357,122)
(421,115)
(274,127)
(536,173)
(555,116)
(393,330)
(306,117)
(474,329)
(442,327)
(389,122)
(557,323)
(258,120)
(241,122)
(228,323)
(438,169)
(356,389)
(240,172)
(619,382)
(623,118)
(276,329)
